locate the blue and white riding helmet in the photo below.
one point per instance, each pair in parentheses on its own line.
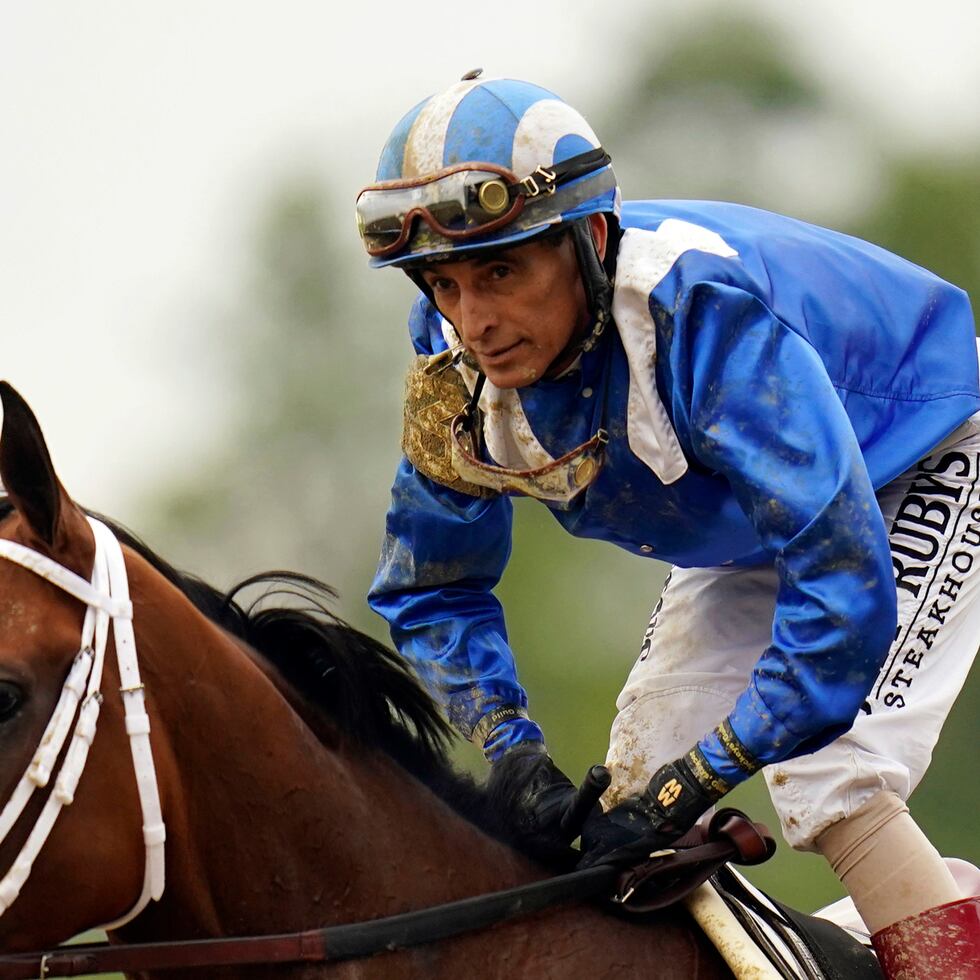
(488,162)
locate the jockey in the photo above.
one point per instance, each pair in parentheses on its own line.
(783,413)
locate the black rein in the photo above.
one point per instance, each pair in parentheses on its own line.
(333,943)
(666,877)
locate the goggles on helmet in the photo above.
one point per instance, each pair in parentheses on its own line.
(460,202)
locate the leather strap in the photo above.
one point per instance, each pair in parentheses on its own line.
(670,875)
(729,836)
(317,945)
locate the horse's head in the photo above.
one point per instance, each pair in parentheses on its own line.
(91,867)
(281,740)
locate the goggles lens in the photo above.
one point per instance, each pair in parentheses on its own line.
(456,204)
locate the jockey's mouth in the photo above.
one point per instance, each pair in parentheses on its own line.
(499,353)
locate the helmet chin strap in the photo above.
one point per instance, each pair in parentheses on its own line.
(415,274)
(595,277)
(598,293)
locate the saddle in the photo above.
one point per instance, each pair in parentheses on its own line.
(799,946)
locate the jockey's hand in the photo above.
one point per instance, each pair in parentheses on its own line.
(649,821)
(546,811)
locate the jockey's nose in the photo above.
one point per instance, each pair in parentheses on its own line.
(477,316)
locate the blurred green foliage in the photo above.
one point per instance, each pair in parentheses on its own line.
(314,350)
(930,213)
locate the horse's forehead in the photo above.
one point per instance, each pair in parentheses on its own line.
(27,601)
(35,616)
(18,613)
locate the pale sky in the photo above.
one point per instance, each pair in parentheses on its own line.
(137,136)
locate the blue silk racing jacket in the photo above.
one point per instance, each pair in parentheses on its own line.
(763,378)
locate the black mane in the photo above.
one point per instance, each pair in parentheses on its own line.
(361,686)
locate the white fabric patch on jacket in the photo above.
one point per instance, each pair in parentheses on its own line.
(506,430)
(645,258)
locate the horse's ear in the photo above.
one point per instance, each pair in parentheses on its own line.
(27,472)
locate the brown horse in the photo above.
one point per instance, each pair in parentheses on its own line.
(300,769)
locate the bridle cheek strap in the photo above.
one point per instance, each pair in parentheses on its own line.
(137,728)
(107,599)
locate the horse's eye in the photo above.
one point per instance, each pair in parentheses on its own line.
(11,698)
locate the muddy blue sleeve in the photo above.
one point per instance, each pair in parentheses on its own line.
(443,555)
(763,413)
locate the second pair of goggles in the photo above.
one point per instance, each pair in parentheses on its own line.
(461,201)
(558,482)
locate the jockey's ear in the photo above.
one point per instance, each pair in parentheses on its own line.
(29,477)
(600,233)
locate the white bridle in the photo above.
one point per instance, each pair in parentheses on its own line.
(107,598)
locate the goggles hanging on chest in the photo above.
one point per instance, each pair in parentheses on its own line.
(469,199)
(558,483)
(442,438)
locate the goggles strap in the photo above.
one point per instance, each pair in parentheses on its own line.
(544,180)
(469,413)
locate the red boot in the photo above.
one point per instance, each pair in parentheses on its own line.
(939,944)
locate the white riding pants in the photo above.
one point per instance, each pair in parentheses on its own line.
(712,625)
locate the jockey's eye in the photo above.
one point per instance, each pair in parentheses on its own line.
(11,699)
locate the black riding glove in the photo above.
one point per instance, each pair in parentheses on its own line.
(652,820)
(546,811)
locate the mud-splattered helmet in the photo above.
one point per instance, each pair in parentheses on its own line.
(485,164)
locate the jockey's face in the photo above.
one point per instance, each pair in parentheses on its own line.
(516,311)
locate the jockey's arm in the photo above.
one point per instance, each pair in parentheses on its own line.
(764,414)
(443,554)
(756,406)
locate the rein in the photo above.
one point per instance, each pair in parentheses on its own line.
(330,944)
(662,880)
(107,599)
